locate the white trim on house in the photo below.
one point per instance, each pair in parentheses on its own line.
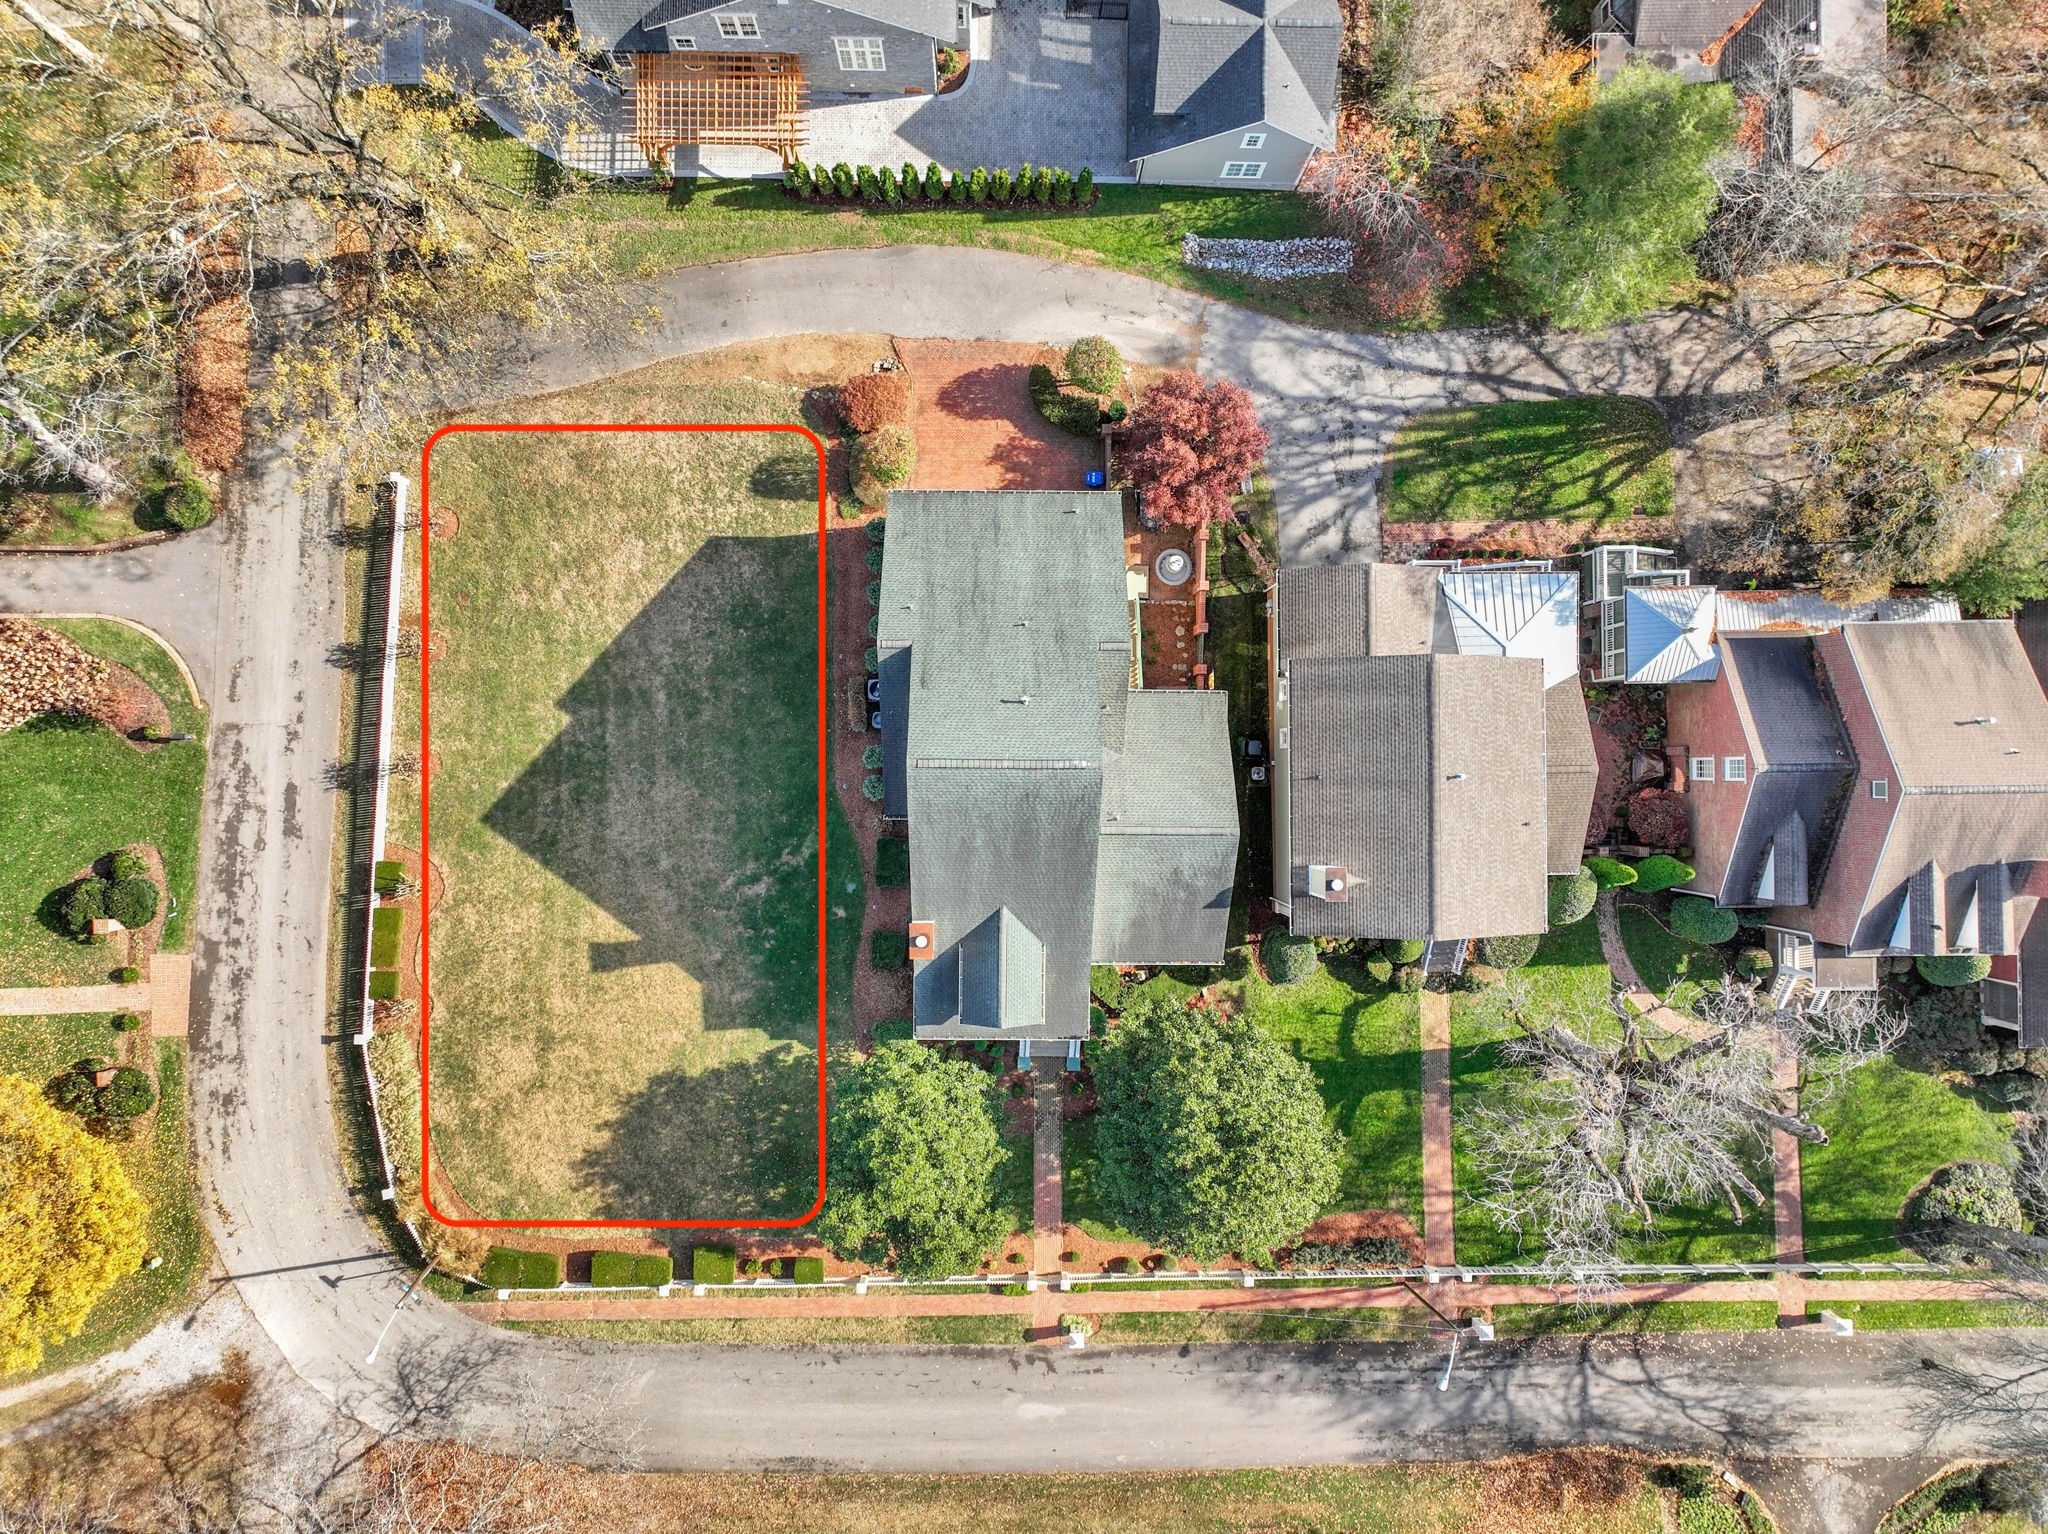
(1244,170)
(860,55)
(1252,141)
(1734,769)
(739,26)
(1700,769)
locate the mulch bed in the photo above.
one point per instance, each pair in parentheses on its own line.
(1620,721)
(1533,538)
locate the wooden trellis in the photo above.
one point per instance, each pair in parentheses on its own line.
(718,98)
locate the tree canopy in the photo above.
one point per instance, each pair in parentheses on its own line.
(74,1224)
(1634,195)
(1212,1137)
(1192,444)
(914,1159)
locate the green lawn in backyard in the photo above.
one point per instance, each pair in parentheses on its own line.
(1568,976)
(156,1160)
(1666,963)
(1133,228)
(72,791)
(1888,1128)
(626,805)
(1592,460)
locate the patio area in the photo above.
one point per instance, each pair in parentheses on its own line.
(976,426)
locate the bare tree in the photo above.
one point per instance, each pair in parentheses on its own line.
(1609,1118)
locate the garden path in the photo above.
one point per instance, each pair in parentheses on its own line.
(1439,1244)
(62,1000)
(1048,1215)
(1787,1203)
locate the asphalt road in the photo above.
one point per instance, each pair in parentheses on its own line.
(310,1270)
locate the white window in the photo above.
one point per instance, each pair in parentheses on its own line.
(962,17)
(1734,769)
(1252,141)
(862,53)
(1244,170)
(739,26)
(682,44)
(1880,788)
(1700,769)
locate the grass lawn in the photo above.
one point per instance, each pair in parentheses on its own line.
(1133,228)
(157,1162)
(1888,1128)
(1635,1320)
(626,720)
(1669,965)
(71,792)
(1590,460)
(1928,1315)
(828,1331)
(1167,1327)
(1365,1049)
(1568,974)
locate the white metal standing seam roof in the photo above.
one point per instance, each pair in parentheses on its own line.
(1529,613)
(1671,634)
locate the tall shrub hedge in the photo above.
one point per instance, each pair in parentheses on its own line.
(712,1264)
(507,1267)
(630,1270)
(1038,186)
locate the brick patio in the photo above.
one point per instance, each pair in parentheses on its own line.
(976,426)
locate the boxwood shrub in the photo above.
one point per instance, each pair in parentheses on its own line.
(389,875)
(630,1270)
(807,1270)
(1610,873)
(85,903)
(1572,897)
(387,925)
(1288,959)
(507,1267)
(1662,871)
(1952,968)
(888,950)
(1405,950)
(894,1030)
(878,531)
(712,1264)
(1699,920)
(1094,364)
(1070,410)
(383,985)
(892,862)
(128,865)
(1508,952)
(872,788)
(132,902)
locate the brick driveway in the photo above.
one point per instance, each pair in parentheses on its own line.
(1051,92)
(976,426)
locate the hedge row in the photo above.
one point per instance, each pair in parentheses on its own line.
(892,862)
(1030,186)
(387,924)
(390,874)
(630,1270)
(713,1265)
(383,985)
(1072,410)
(506,1267)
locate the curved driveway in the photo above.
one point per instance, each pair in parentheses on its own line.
(260,627)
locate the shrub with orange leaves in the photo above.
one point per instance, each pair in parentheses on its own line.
(1506,142)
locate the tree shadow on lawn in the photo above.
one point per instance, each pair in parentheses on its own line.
(1559,458)
(682,795)
(739,1141)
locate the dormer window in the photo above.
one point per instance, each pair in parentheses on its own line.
(739,26)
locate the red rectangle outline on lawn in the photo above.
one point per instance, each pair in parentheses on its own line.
(824,775)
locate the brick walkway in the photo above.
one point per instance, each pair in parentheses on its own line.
(1439,1245)
(1607,918)
(1048,1209)
(166,997)
(1787,1208)
(976,426)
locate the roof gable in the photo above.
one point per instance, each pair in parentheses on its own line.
(1199,68)
(1670,634)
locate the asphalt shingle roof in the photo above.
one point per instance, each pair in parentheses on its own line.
(1800,768)
(1203,67)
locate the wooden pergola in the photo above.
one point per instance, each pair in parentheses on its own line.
(718,98)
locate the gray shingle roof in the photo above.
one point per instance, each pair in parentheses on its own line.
(1048,804)
(630,26)
(1198,68)
(1572,775)
(1800,770)
(1685,23)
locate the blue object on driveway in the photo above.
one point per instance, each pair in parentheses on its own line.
(1097,479)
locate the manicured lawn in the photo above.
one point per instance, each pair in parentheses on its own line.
(157,1162)
(1133,228)
(1888,1128)
(1590,460)
(624,968)
(1928,1315)
(830,1331)
(1168,1327)
(72,791)
(1635,1320)
(1666,963)
(1364,1048)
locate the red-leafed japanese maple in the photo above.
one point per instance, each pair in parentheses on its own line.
(1656,818)
(1192,444)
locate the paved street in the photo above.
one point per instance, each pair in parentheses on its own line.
(254,606)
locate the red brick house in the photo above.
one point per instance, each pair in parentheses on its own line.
(1876,790)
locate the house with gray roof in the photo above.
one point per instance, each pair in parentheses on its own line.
(1059,816)
(1432,759)
(1231,92)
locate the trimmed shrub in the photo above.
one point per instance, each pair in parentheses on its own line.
(1070,411)
(895,1030)
(956,188)
(1508,952)
(128,1096)
(711,1265)
(1084,187)
(870,184)
(999,186)
(886,455)
(977,186)
(132,902)
(1116,412)
(913,183)
(892,189)
(1381,968)
(1661,871)
(126,1022)
(878,533)
(872,788)
(892,862)
(874,593)
(387,925)
(874,659)
(1408,979)
(1288,959)
(1571,898)
(507,1267)
(1609,873)
(934,183)
(1062,189)
(843,180)
(630,1270)
(1754,963)
(874,559)
(1404,950)
(871,758)
(874,625)
(1108,986)
(1346,1256)
(1041,186)
(127,865)
(796,180)
(185,499)
(1952,968)
(383,985)
(750,1267)
(1095,365)
(1699,920)
(1963,1193)
(1478,977)
(1656,818)
(807,1270)
(85,904)
(388,877)
(875,400)
(888,950)
(127,974)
